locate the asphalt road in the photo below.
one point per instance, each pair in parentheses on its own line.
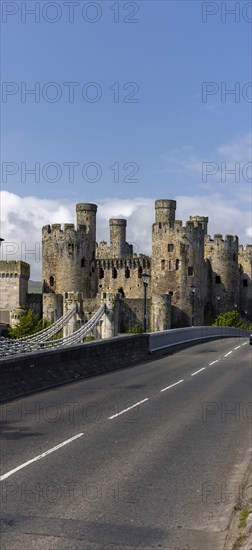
(151,457)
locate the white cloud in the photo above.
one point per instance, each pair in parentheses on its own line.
(214,168)
(238,150)
(23,217)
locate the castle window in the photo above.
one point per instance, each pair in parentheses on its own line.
(162,264)
(140,271)
(169,264)
(121,291)
(160,225)
(127,273)
(190,271)
(170,247)
(114,273)
(171,293)
(71,248)
(217,279)
(234,257)
(245,282)
(82,262)
(51,281)
(177,265)
(101,273)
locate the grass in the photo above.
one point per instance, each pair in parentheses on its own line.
(243,518)
(238,542)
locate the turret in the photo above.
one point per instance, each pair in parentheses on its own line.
(117,237)
(200,220)
(165,211)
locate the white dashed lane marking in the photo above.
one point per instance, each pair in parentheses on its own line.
(11,472)
(172,385)
(128,409)
(213,362)
(196,372)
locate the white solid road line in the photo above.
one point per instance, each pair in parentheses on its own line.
(128,409)
(11,472)
(196,372)
(228,354)
(172,385)
(237,347)
(244,344)
(213,362)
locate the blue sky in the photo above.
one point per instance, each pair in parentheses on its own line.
(170,136)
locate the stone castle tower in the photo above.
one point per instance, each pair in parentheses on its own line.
(245,261)
(178,261)
(69,259)
(14,277)
(223,277)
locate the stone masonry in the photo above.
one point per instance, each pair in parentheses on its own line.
(14,277)
(188,269)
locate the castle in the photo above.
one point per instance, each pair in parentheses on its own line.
(185,265)
(191,274)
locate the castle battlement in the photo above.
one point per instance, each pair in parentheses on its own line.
(219,239)
(245,249)
(143,262)
(14,268)
(58,230)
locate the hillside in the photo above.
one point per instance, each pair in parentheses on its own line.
(35,287)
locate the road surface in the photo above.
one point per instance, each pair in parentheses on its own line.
(151,456)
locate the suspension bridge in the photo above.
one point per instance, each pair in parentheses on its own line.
(43,340)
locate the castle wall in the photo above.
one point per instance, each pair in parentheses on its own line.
(52,306)
(123,275)
(34,301)
(160,312)
(69,255)
(132,313)
(245,261)
(224,278)
(178,263)
(14,277)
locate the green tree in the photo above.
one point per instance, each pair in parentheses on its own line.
(231,319)
(29,323)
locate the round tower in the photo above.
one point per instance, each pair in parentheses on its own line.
(117,237)
(224,273)
(165,211)
(68,255)
(86,223)
(86,216)
(245,261)
(178,263)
